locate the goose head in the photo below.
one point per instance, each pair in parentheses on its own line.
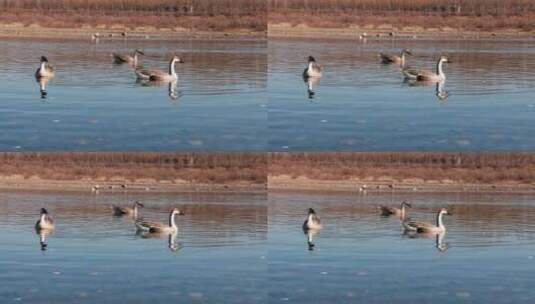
(177,59)
(138,52)
(406,51)
(175,211)
(443,211)
(311,211)
(404,203)
(311,59)
(43,211)
(44,59)
(444,59)
(138,204)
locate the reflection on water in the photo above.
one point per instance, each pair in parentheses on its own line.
(93,256)
(94,104)
(485,256)
(365,105)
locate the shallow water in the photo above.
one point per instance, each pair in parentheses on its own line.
(238,248)
(93,104)
(486,256)
(93,257)
(487,102)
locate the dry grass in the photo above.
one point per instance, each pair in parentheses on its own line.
(460,14)
(193,167)
(459,167)
(194,14)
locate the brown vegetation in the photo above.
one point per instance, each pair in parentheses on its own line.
(190,14)
(460,14)
(458,167)
(192,167)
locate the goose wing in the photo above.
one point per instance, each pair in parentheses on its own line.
(118,210)
(150,73)
(385,210)
(386,58)
(417,225)
(149,226)
(120,58)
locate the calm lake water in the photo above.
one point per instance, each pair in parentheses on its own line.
(486,256)
(94,257)
(241,249)
(219,102)
(487,102)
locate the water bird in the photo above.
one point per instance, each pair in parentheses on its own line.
(45,221)
(399,60)
(399,212)
(95,37)
(158,75)
(130,211)
(153,227)
(313,220)
(45,69)
(426,227)
(425,75)
(311,83)
(125,58)
(313,69)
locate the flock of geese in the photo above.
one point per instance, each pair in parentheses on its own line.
(46,225)
(46,72)
(412,228)
(414,76)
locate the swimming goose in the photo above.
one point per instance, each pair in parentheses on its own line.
(45,222)
(313,221)
(125,58)
(157,75)
(389,59)
(45,70)
(400,212)
(425,75)
(425,227)
(313,69)
(153,227)
(132,211)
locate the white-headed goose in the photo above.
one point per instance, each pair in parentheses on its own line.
(153,227)
(45,69)
(45,221)
(425,75)
(426,227)
(313,69)
(158,75)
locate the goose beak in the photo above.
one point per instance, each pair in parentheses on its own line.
(181,213)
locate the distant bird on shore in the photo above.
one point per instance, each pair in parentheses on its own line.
(130,211)
(399,60)
(313,221)
(399,212)
(45,221)
(426,75)
(45,69)
(126,58)
(426,227)
(313,69)
(158,75)
(95,37)
(154,227)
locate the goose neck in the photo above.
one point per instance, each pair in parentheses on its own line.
(440,224)
(172,67)
(440,72)
(172,220)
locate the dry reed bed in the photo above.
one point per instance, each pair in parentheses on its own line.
(400,166)
(193,167)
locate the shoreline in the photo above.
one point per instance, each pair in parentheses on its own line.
(21,31)
(386,32)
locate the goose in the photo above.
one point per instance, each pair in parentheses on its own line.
(311,83)
(158,75)
(400,60)
(125,58)
(45,222)
(132,211)
(400,212)
(45,70)
(313,221)
(313,69)
(426,227)
(425,75)
(153,227)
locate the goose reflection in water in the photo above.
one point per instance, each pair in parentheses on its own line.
(43,234)
(172,87)
(440,91)
(172,243)
(311,82)
(311,233)
(440,243)
(43,81)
